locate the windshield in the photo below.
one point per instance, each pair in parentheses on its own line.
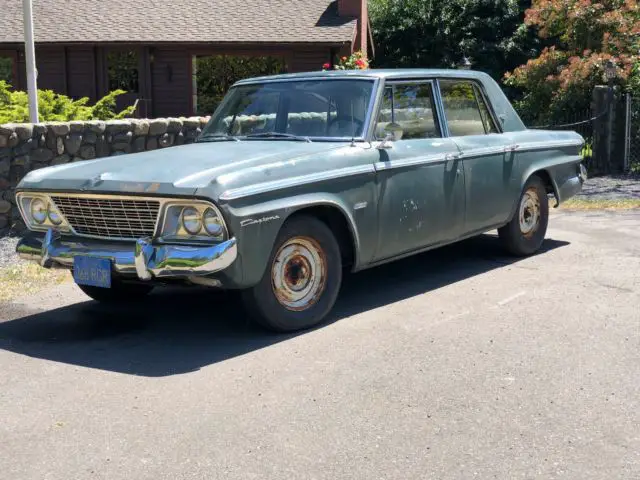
(329,109)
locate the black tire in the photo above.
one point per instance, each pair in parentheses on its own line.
(119,293)
(312,248)
(516,236)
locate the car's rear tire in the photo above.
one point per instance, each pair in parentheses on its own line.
(119,293)
(302,280)
(526,231)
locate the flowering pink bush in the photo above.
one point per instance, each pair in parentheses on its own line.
(356,61)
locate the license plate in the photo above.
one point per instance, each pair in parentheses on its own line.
(92,271)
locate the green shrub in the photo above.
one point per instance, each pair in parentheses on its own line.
(53,107)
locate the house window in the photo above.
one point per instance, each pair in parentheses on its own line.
(213,75)
(122,70)
(7,68)
(465,108)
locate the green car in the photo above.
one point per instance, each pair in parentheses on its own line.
(297,178)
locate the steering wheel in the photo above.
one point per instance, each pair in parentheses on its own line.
(359,124)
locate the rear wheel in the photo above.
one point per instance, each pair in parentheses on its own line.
(302,280)
(119,292)
(525,233)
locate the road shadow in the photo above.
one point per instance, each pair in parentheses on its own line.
(182,330)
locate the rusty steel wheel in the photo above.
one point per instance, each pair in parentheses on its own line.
(302,279)
(299,273)
(529,212)
(525,233)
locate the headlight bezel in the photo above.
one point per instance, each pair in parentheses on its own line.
(171,227)
(25,200)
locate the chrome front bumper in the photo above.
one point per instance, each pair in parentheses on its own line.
(142,259)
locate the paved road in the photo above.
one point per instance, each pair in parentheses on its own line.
(459,363)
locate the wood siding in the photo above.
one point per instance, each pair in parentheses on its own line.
(81,72)
(165,71)
(170,82)
(51,66)
(309,59)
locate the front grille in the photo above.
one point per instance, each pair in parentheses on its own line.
(109,218)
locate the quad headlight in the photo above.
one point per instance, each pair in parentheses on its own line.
(193,221)
(38,210)
(40,213)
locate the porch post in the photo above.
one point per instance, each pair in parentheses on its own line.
(32,85)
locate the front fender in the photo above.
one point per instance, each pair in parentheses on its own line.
(256,226)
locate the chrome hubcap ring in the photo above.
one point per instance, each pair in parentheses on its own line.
(529,213)
(299,273)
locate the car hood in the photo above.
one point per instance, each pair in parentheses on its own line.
(178,170)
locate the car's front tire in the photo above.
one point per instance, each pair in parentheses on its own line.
(302,280)
(119,293)
(526,231)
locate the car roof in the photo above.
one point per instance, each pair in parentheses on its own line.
(396,73)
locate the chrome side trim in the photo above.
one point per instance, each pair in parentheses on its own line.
(520,147)
(414,161)
(143,259)
(264,187)
(479,152)
(532,146)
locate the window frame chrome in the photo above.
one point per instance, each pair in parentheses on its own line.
(366,134)
(475,84)
(435,98)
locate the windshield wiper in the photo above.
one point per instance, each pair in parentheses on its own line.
(218,136)
(278,135)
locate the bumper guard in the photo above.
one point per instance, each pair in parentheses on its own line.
(143,259)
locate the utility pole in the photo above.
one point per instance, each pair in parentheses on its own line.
(32,85)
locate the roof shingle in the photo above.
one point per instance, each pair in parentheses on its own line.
(194,21)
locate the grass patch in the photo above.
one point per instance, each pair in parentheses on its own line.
(578,203)
(26,278)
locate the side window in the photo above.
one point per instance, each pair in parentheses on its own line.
(465,109)
(411,107)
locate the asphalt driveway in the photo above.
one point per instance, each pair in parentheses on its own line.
(459,363)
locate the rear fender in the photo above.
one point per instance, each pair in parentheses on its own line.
(561,170)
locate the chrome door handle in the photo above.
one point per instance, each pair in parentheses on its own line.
(451,156)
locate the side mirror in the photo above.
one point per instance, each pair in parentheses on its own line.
(393,133)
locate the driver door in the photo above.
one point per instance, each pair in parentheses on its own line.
(421,178)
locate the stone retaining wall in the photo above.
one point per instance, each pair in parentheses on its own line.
(26,147)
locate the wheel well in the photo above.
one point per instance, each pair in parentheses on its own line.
(546,179)
(339,226)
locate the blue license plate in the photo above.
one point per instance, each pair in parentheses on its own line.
(92,271)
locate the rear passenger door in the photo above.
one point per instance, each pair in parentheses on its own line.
(421,182)
(487,161)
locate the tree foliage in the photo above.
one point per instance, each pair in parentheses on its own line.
(433,33)
(584,34)
(14,106)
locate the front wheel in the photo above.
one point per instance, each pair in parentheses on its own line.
(302,280)
(525,233)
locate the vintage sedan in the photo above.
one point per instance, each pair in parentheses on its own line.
(297,178)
